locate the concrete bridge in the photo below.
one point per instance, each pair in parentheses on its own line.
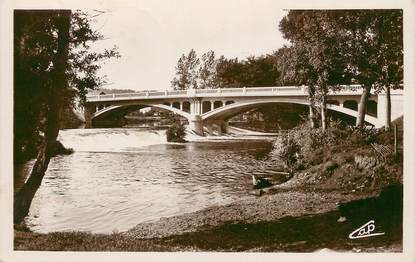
(210,109)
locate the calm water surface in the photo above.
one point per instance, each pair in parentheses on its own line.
(118,178)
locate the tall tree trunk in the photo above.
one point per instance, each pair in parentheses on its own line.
(24,197)
(388,109)
(323,107)
(324,112)
(311,114)
(362,106)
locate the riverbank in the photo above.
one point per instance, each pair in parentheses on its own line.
(287,221)
(336,188)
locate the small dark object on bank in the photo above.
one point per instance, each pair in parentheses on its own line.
(257,192)
(260,182)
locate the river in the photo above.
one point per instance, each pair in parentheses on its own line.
(117,178)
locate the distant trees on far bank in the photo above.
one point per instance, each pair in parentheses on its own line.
(210,71)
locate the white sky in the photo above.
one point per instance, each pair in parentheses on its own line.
(152,35)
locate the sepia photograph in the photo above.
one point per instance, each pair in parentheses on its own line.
(194,127)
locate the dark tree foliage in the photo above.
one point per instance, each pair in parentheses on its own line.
(230,73)
(344,45)
(316,43)
(36,43)
(252,72)
(209,72)
(295,69)
(53,65)
(374,51)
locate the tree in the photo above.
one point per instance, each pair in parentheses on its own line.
(391,57)
(375,52)
(251,72)
(52,66)
(207,71)
(186,72)
(293,64)
(261,71)
(230,73)
(315,33)
(342,45)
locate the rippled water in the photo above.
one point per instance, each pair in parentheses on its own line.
(118,178)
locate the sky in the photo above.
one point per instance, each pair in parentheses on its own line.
(152,35)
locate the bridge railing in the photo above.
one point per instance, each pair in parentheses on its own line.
(248,91)
(207,91)
(129,95)
(194,92)
(176,92)
(159,93)
(232,90)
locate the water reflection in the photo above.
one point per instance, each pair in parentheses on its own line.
(114,186)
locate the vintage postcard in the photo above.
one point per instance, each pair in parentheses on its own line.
(212,130)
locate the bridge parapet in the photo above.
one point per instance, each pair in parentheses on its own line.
(185,94)
(221,92)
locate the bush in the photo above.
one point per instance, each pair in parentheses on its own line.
(287,150)
(304,146)
(176,133)
(364,135)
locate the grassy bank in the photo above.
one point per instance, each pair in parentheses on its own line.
(343,178)
(342,158)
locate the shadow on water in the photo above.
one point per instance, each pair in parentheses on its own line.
(310,233)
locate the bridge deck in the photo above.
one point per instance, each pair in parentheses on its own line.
(220,92)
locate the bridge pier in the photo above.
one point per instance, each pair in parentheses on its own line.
(209,127)
(196,124)
(218,126)
(225,125)
(219,129)
(221,126)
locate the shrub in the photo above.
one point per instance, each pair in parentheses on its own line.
(176,133)
(287,150)
(356,135)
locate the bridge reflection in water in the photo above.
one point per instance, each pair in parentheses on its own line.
(212,108)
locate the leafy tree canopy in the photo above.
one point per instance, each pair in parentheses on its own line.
(36,48)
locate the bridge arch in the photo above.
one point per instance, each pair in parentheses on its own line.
(125,108)
(227,111)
